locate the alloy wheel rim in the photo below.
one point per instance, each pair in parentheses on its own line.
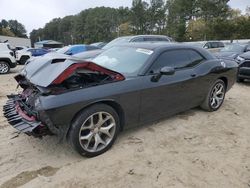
(217,95)
(97,131)
(3,68)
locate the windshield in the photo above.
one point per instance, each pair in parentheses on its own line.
(125,60)
(233,48)
(63,50)
(117,41)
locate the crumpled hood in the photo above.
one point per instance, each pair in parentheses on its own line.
(42,71)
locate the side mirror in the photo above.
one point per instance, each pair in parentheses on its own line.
(163,71)
(167,71)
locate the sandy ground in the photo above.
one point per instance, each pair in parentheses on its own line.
(192,149)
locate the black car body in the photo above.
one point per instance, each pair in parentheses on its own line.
(244,66)
(170,79)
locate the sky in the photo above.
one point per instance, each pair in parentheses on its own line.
(34,14)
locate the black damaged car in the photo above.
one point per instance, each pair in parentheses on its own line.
(89,103)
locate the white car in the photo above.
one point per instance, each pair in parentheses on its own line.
(22,56)
(7,58)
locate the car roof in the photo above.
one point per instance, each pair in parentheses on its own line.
(158,46)
(135,36)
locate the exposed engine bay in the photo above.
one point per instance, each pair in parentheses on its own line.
(24,112)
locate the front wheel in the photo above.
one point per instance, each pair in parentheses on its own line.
(23,60)
(215,96)
(94,130)
(4,67)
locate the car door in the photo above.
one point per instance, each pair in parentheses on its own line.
(172,93)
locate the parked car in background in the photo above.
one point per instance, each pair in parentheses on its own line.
(138,38)
(233,50)
(89,54)
(244,66)
(38,51)
(22,56)
(7,58)
(212,46)
(99,44)
(75,49)
(90,102)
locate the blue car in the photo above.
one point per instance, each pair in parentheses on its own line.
(75,49)
(38,52)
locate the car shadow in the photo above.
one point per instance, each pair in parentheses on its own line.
(245,83)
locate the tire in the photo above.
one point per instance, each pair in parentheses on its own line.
(23,60)
(92,139)
(239,80)
(4,67)
(214,101)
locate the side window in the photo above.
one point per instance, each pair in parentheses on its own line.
(176,58)
(91,48)
(195,58)
(150,39)
(214,45)
(162,39)
(221,45)
(138,39)
(77,49)
(207,46)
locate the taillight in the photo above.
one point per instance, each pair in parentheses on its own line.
(87,65)
(65,74)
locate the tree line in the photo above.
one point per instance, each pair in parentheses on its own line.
(182,20)
(12,28)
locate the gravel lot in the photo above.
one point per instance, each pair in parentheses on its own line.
(192,149)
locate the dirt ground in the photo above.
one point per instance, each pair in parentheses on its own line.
(192,149)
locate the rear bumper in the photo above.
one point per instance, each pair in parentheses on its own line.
(19,119)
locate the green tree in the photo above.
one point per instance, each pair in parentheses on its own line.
(139,17)
(157,16)
(17,28)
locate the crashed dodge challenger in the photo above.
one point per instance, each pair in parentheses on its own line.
(88,102)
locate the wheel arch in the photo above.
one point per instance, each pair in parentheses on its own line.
(7,60)
(225,80)
(112,103)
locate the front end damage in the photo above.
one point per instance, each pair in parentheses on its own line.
(24,110)
(22,118)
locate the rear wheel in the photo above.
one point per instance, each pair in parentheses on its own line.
(94,130)
(4,67)
(215,96)
(23,60)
